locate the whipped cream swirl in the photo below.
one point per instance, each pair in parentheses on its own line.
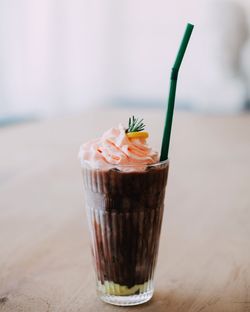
(115,148)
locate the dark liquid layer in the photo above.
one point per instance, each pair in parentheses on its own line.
(125,214)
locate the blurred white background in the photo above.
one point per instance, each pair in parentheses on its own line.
(59,57)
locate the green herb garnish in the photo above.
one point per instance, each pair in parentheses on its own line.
(135,125)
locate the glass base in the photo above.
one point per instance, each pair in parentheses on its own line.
(127,300)
(121,295)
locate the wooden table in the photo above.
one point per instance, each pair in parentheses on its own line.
(204,259)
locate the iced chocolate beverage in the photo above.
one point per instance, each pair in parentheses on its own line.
(124,188)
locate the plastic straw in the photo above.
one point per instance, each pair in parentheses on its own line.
(172,92)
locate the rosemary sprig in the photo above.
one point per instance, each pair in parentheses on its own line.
(135,125)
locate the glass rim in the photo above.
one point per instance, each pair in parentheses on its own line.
(108,165)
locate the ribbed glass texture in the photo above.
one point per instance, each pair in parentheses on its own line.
(124,209)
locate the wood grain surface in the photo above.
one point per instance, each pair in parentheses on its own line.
(204,258)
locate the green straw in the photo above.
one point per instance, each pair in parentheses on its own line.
(172,91)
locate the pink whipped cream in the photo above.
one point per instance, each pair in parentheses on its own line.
(115,148)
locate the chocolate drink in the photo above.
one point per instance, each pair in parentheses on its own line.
(125,211)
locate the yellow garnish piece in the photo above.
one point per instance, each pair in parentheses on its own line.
(138,135)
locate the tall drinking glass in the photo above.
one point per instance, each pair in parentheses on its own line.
(125,207)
